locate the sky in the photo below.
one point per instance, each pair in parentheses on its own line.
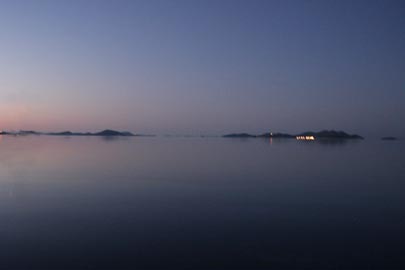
(203,66)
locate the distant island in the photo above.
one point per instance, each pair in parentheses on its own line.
(309,135)
(104,133)
(389,138)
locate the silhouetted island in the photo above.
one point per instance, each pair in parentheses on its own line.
(389,138)
(331,134)
(104,133)
(107,132)
(324,134)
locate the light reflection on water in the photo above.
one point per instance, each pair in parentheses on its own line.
(209,203)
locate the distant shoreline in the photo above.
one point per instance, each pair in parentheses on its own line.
(309,135)
(104,133)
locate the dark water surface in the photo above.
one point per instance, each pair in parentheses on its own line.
(200,203)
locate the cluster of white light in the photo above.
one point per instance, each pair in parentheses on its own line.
(306,138)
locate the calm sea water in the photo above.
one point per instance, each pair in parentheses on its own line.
(200,203)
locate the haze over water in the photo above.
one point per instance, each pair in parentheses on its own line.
(200,203)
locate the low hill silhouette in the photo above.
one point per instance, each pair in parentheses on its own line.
(104,133)
(324,134)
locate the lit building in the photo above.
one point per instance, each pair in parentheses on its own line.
(305,138)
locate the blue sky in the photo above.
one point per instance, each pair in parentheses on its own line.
(208,67)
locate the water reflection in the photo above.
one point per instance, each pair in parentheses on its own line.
(189,203)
